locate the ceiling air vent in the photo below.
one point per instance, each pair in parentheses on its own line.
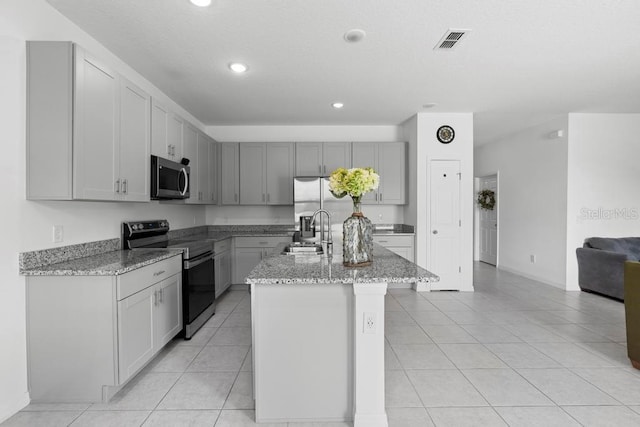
(451,39)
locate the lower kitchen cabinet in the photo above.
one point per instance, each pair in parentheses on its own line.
(222,268)
(402,245)
(88,335)
(249,251)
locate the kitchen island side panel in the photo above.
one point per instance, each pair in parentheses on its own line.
(303,352)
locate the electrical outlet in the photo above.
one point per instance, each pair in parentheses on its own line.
(370,323)
(58,233)
(532,258)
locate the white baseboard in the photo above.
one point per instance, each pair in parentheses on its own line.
(532,277)
(8,409)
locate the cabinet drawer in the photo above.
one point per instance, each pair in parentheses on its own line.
(137,280)
(261,242)
(393,240)
(222,246)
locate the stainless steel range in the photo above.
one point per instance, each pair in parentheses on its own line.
(198,278)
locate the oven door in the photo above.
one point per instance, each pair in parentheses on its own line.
(198,286)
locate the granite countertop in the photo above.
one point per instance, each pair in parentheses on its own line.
(111,263)
(308,269)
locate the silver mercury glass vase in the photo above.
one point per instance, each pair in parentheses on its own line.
(357,239)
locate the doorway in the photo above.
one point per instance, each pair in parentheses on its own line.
(488,223)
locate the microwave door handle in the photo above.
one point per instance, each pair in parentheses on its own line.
(186,181)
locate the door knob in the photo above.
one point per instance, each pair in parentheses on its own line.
(435,231)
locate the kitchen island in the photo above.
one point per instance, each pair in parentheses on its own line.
(318,336)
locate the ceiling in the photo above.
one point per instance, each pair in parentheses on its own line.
(523,63)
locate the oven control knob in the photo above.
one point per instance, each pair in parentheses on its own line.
(140,226)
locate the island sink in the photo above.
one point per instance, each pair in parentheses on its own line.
(303,248)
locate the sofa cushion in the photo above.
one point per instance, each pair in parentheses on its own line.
(629,246)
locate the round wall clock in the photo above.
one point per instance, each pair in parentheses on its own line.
(445,134)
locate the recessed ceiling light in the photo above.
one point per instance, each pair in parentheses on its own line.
(238,67)
(201,3)
(354,36)
(337,105)
(429,105)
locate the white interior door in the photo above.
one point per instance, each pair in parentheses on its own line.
(489,224)
(445,255)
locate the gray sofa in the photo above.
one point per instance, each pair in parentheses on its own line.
(601,264)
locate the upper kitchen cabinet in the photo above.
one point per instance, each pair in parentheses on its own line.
(266,173)
(89,122)
(167,132)
(229,173)
(190,148)
(198,148)
(134,156)
(214,182)
(389,160)
(321,158)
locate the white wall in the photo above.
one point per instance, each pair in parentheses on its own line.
(420,132)
(603,181)
(28,225)
(284,214)
(532,199)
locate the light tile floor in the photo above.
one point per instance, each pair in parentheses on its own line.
(515,352)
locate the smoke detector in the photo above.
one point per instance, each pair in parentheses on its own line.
(451,39)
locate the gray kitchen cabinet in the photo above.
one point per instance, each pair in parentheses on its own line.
(245,260)
(321,158)
(190,148)
(88,121)
(279,173)
(214,172)
(250,250)
(147,321)
(88,335)
(204,185)
(222,265)
(309,158)
(197,148)
(229,173)
(389,160)
(266,173)
(402,244)
(134,142)
(166,132)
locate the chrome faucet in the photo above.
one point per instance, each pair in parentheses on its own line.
(329,241)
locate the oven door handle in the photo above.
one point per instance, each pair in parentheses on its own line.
(196,262)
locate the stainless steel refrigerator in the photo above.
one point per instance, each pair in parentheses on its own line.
(311,194)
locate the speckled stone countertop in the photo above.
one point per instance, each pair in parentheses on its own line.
(106,264)
(308,269)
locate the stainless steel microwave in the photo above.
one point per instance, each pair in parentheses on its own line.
(169,180)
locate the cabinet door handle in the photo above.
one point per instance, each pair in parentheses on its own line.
(157,273)
(117,186)
(125,186)
(235,197)
(268,197)
(161,292)
(325,169)
(319,169)
(380,196)
(155,298)
(263,243)
(383,241)
(376,195)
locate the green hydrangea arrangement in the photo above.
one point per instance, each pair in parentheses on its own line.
(353,182)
